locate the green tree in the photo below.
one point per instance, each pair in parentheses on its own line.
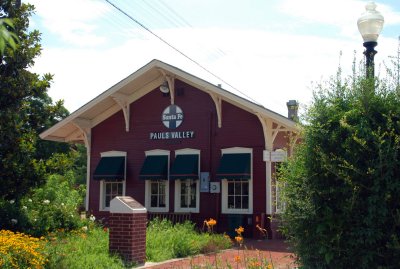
(342,186)
(25,110)
(7,36)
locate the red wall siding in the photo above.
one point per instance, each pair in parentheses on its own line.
(239,129)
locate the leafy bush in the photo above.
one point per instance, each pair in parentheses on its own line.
(18,250)
(53,206)
(12,217)
(342,186)
(167,241)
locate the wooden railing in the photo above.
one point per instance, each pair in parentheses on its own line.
(173,217)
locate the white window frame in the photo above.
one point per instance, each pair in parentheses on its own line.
(224,187)
(157,152)
(177,202)
(103,183)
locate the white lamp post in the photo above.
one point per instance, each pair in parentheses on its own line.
(370,25)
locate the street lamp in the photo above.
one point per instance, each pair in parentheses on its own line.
(370,25)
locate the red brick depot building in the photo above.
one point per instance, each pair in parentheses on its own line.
(182,147)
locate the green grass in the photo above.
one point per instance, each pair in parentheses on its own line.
(81,249)
(165,241)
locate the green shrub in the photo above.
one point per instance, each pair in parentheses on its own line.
(342,186)
(53,206)
(12,216)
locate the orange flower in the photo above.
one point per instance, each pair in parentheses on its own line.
(239,239)
(239,230)
(211,222)
(255,264)
(237,259)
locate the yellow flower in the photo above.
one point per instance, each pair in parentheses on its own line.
(269,266)
(18,249)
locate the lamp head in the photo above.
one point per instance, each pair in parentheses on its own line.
(370,23)
(164,87)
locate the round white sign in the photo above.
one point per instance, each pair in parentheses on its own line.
(172,116)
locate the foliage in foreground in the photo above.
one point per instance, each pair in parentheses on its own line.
(343,184)
(166,241)
(18,250)
(47,208)
(84,248)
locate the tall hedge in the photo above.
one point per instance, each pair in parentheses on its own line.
(342,187)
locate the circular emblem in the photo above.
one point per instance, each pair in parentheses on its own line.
(172,116)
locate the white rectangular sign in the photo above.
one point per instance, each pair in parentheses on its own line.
(278,156)
(266,156)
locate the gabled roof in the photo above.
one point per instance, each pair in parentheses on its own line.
(138,84)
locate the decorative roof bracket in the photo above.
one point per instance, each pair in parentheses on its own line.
(85,126)
(218,107)
(121,100)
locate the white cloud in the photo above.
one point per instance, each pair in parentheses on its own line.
(270,67)
(72,20)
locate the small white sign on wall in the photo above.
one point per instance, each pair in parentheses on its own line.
(215,187)
(279,155)
(204,181)
(266,156)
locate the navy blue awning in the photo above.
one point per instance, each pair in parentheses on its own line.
(185,167)
(110,168)
(155,167)
(234,166)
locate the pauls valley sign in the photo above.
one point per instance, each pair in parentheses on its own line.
(172,118)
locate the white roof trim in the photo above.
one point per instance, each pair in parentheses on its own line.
(226,96)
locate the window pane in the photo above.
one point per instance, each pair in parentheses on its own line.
(161,201)
(245,188)
(107,202)
(245,202)
(238,202)
(193,186)
(238,188)
(154,188)
(162,185)
(231,185)
(231,202)
(183,201)
(183,188)
(111,190)
(153,201)
(193,199)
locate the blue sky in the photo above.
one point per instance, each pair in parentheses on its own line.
(268,51)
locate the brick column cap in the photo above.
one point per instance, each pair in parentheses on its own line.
(126,205)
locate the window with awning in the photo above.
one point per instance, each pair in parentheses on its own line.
(235,166)
(110,169)
(155,167)
(186,166)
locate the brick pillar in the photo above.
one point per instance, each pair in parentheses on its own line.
(127,223)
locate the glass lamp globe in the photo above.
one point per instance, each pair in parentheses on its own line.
(370,23)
